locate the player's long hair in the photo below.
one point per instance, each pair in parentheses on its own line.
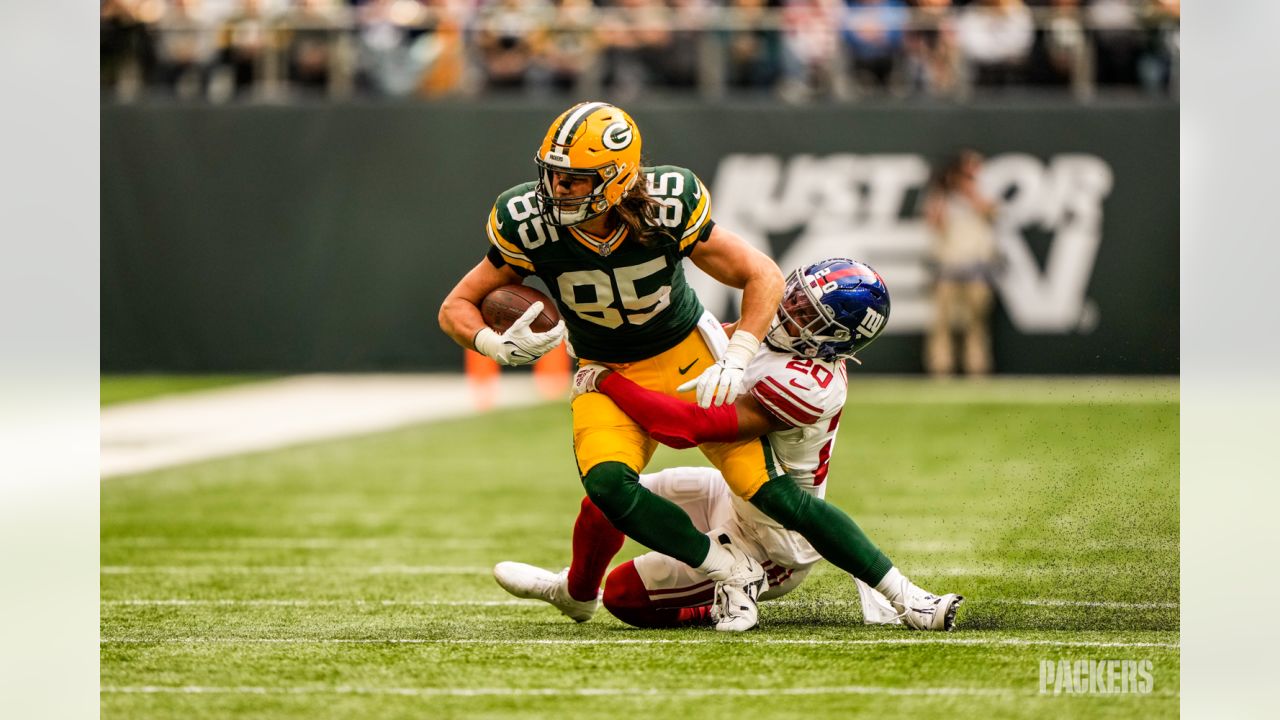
(638,211)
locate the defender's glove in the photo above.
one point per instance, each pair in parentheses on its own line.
(722,382)
(519,345)
(587,379)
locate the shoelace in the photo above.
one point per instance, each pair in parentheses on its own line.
(927,597)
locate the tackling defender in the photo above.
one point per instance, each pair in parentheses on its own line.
(607,237)
(797,388)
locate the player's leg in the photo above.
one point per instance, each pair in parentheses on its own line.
(782,579)
(655,591)
(611,449)
(575,590)
(595,541)
(686,602)
(839,539)
(614,448)
(750,471)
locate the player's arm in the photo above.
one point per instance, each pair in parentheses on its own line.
(460,312)
(460,318)
(681,424)
(731,260)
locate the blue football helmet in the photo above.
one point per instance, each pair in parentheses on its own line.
(830,310)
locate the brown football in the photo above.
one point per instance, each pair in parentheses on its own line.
(505,305)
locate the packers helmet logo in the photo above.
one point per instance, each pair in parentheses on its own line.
(617,136)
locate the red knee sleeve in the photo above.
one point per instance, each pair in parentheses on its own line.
(669,420)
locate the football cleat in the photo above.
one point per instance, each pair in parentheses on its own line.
(736,608)
(534,583)
(926,611)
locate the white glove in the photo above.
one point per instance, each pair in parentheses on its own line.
(722,382)
(519,345)
(587,379)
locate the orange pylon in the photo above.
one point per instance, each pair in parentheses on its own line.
(552,373)
(482,376)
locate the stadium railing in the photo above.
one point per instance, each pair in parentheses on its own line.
(1075,34)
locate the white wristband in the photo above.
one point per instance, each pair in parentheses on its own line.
(742,347)
(488,342)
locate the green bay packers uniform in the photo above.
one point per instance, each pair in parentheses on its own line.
(626,304)
(621,301)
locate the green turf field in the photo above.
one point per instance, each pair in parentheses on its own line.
(351,579)
(114,389)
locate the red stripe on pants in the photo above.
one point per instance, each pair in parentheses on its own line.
(626,597)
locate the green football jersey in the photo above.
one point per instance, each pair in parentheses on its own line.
(621,301)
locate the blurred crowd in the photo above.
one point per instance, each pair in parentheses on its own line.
(222,50)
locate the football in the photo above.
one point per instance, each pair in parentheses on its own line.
(505,305)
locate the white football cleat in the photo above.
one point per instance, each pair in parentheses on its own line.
(917,607)
(926,611)
(735,607)
(534,583)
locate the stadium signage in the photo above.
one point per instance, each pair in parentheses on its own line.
(869,207)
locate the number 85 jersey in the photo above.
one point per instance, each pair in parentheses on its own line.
(622,301)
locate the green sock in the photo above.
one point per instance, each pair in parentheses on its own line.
(651,520)
(831,532)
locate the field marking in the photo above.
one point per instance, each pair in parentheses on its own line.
(286,602)
(320,543)
(294,569)
(1049,602)
(991,570)
(554,692)
(345,543)
(171,430)
(268,602)
(995,642)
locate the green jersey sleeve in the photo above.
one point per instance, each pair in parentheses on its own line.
(686,204)
(509,237)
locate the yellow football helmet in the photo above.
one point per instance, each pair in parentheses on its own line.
(592,139)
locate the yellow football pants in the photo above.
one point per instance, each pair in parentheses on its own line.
(602,432)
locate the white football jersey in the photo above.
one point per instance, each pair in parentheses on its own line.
(807,394)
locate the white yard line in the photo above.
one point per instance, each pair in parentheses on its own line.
(992,570)
(189,427)
(298,602)
(713,640)
(1092,604)
(327,543)
(459,543)
(552,692)
(273,602)
(294,569)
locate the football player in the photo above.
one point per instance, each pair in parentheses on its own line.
(796,393)
(607,237)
